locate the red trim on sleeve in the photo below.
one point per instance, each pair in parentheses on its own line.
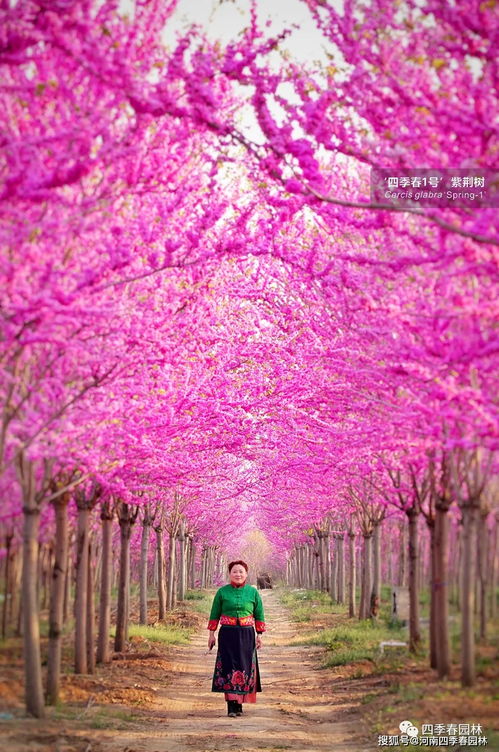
(260,627)
(212,624)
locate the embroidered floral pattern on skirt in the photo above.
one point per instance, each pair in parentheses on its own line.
(236,667)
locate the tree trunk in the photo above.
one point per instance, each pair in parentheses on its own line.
(182,561)
(493,570)
(59,573)
(333,588)
(103,649)
(306,568)
(402,576)
(299,580)
(7,589)
(389,558)
(211,567)
(433,612)
(15,601)
(98,563)
(467,597)
(30,617)
(341,569)
(170,594)
(14,588)
(482,558)
(122,614)
(47,568)
(38,573)
(90,613)
(421,559)
(351,575)
(203,567)
(327,562)
(459,565)
(365,589)
(320,562)
(441,591)
(160,559)
(309,571)
(127,595)
(316,582)
(154,573)
(144,553)
(67,584)
(359,562)
(376,586)
(414,632)
(192,565)
(81,666)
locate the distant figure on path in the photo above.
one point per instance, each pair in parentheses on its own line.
(263,581)
(239,609)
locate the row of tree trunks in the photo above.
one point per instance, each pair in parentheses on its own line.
(208,561)
(474,558)
(51,565)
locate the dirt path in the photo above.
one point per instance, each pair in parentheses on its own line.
(296,710)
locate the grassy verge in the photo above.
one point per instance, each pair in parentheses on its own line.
(199,601)
(347,641)
(305,604)
(396,685)
(167,634)
(359,641)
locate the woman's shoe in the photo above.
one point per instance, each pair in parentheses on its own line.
(239,708)
(231,708)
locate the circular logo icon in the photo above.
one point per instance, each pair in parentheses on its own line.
(408,728)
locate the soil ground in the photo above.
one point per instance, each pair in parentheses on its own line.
(298,709)
(157,698)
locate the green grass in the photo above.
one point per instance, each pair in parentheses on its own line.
(408,693)
(200,601)
(194,595)
(353,642)
(63,712)
(346,643)
(103,718)
(303,604)
(166,634)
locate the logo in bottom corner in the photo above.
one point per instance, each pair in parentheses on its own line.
(408,728)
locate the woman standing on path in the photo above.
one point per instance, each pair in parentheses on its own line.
(238,607)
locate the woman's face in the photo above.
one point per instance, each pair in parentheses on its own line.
(238,574)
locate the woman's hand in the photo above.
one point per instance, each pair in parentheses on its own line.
(211,640)
(258,641)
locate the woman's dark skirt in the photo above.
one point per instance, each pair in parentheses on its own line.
(236,667)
